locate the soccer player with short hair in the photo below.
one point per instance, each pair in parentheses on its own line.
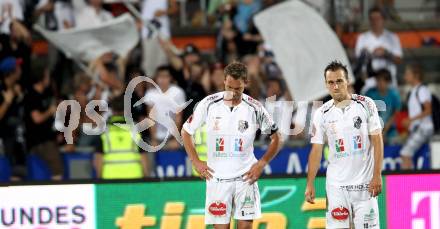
(231,171)
(351,126)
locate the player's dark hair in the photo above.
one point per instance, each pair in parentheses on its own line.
(376,9)
(334,66)
(417,70)
(383,74)
(236,70)
(117,103)
(162,68)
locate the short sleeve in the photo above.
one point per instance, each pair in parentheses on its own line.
(373,120)
(198,117)
(317,135)
(396,49)
(424,94)
(265,121)
(149,97)
(180,96)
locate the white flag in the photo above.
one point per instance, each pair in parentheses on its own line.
(118,35)
(303,45)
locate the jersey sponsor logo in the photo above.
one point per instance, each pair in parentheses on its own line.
(332,128)
(357,121)
(220,144)
(360,98)
(340,213)
(217,208)
(238,146)
(243,125)
(212,97)
(371,216)
(253,101)
(216,125)
(355,188)
(339,144)
(357,142)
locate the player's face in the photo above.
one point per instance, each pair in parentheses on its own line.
(376,21)
(409,76)
(337,84)
(235,87)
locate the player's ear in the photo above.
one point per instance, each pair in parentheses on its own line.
(246,81)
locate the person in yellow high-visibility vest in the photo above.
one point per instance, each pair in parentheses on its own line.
(200,142)
(118,156)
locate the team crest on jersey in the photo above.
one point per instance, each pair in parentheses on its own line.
(219,144)
(243,125)
(339,145)
(357,142)
(357,121)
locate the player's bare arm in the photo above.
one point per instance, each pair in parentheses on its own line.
(314,163)
(255,172)
(376,140)
(200,166)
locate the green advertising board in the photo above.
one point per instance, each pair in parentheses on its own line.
(180,205)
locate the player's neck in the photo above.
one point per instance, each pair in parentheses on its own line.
(342,102)
(232,102)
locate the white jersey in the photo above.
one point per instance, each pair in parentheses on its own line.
(351,159)
(230,133)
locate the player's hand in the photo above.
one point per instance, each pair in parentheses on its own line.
(203,169)
(375,186)
(255,172)
(380,52)
(8,96)
(310,193)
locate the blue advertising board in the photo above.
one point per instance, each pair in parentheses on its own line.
(288,161)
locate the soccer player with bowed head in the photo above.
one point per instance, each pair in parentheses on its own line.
(231,171)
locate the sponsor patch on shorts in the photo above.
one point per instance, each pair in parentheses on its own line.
(217,208)
(340,213)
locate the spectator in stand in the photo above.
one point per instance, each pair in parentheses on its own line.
(11,111)
(254,87)
(157,12)
(92,15)
(245,10)
(420,124)
(39,113)
(388,95)
(187,76)
(109,67)
(389,9)
(118,156)
(217,78)
(160,108)
(18,45)
(377,48)
(10,10)
(57,16)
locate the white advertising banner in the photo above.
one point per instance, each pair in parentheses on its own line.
(47,207)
